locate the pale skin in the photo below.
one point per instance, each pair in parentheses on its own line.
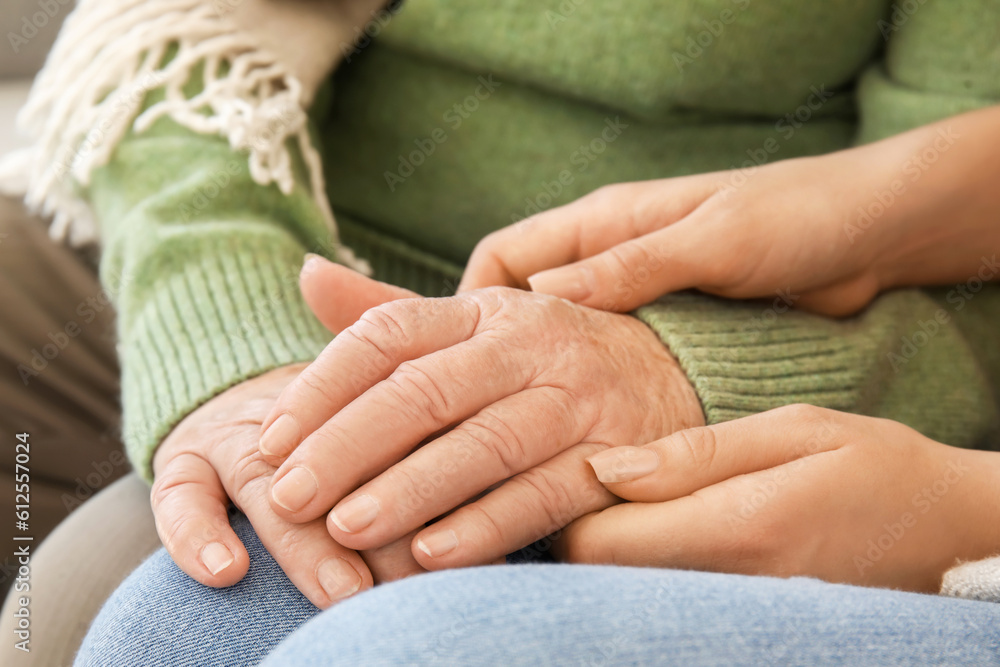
(796,491)
(491,366)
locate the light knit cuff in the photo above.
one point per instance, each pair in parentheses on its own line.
(231,312)
(978,580)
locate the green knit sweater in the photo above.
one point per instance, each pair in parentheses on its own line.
(461,118)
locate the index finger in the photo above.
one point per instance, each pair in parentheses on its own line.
(363,355)
(590,225)
(695,458)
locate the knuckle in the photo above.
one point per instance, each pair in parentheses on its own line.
(177,478)
(317,385)
(418,389)
(606,194)
(488,528)
(627,258)
(293,540)
(699,445)
(417,489)
(490,300)
(383,328)
(164,490)
(249,472)
(174,521)
(552,497)
(802,413)
(495,437)
(493,244)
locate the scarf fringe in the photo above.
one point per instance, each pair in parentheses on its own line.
(109,55)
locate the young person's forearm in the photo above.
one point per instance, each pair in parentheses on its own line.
(940,198)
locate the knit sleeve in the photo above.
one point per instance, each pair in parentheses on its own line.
(203,266)
(926,358)
(908,357)
(941,59)
(182,144)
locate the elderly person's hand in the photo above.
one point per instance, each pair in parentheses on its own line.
(423,404)
(211,458)
(796,491)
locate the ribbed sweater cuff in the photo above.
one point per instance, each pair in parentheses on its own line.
(230,313)
(747,357)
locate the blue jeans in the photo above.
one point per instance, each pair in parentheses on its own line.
(533,614)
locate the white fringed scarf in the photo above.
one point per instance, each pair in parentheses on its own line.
(109,54)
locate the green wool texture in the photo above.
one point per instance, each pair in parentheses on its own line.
(461,118)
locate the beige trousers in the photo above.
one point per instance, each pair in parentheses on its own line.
(59,385)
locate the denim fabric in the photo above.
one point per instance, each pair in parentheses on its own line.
(535,614)
(160,616)
(587,615)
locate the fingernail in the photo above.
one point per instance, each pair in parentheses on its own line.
(438,544)
(281,437)
(355,514)
(623,464)
(295,489)
(572,284)
(338,578)
(312,261)
(216,557)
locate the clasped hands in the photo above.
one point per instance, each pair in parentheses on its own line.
(414,413)
(437,433)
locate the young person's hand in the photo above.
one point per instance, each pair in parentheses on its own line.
(796,491)
(498,385)
(210,459)
(829,232)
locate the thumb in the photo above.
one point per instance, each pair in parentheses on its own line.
(338,296)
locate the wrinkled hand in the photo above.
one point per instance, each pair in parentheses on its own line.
(796,491)
(497,384)
(211,457)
